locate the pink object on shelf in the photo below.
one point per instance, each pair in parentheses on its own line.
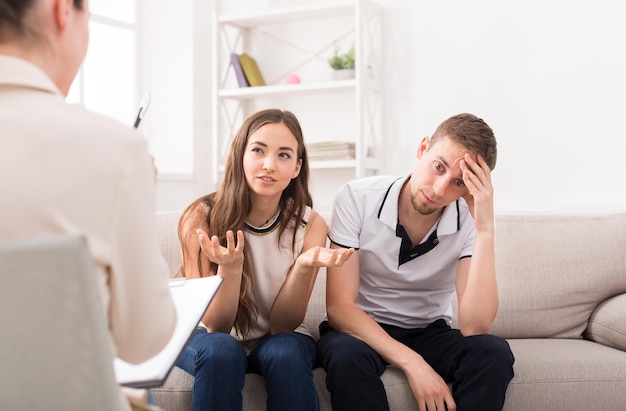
(292,79)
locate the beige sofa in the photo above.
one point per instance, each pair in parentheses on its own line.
(562,282)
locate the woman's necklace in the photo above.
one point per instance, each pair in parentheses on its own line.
(271,218)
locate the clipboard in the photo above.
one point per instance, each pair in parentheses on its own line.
(191,299)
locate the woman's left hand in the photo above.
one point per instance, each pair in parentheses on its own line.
(325,257)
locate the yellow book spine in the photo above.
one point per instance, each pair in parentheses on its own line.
(251,70)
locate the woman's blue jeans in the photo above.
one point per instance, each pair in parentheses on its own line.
(219,364)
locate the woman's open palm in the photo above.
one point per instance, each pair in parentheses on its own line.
(325,257)
(230,256)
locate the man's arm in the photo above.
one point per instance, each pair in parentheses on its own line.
(342,285)
(476,284)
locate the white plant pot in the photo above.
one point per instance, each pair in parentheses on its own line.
(343,74)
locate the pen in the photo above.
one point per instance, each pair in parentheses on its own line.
(143,107)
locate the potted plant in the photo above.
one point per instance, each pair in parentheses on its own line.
(342,63)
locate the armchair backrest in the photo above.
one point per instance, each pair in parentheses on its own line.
(56,351)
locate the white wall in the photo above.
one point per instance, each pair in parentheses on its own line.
(548,76)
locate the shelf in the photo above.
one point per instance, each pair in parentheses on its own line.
(370,163)
(298,40)
(288,15)
(322,164)
(294,89)
(287,89)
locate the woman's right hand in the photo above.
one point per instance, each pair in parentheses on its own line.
(229,258)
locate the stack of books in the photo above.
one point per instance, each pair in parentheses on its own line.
(331,150)
(246,70)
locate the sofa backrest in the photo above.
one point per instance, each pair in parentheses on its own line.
(552,270)
(167,230)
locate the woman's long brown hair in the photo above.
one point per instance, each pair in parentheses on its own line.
(230,204)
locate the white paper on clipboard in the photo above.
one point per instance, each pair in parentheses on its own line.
(191,298)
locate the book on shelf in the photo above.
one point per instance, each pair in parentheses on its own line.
(331,150)
(251,70)
(241,77)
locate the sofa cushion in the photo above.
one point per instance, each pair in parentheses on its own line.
(549,281)
(561,374)
(175,394)
(550,374)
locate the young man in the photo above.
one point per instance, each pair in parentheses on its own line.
(420,239)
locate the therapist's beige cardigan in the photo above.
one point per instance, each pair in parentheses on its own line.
(65,170)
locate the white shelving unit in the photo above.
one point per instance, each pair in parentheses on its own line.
(299,40)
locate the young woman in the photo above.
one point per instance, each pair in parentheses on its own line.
(259,233)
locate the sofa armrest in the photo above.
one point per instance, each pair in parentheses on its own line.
(607,324)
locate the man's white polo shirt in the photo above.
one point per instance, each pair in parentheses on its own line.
(408,288)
